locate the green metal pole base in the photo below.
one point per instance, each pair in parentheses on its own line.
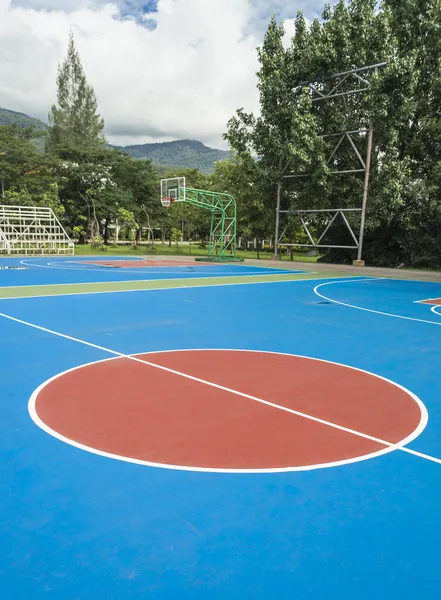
(224,259)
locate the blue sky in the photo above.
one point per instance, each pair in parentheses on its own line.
(285,9)
(161,69)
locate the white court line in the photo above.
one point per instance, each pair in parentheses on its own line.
(187,262)
(418,430)
(146,270)
(42,285)
(385,443)
(435,309)
(85,268)
(370,310)
(154,289)
(426,300)
(176,270)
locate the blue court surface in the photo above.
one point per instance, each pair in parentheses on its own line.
(59,270)
(290,513)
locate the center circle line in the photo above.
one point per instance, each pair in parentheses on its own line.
(388,446)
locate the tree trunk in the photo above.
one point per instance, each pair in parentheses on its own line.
(106,231)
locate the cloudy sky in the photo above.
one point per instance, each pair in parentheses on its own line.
(161,69)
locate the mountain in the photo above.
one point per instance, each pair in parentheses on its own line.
(181,153)
(190,154)
(9,117)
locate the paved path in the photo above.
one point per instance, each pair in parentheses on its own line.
(416,275)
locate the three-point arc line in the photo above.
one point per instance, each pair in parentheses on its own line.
(362,308)
(392,446)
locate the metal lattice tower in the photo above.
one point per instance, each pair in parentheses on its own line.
(32,230)
(346,85)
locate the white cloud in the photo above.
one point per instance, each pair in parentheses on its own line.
(290,28)
(72,5)
(183,79)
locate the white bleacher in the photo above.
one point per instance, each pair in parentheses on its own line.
(32,230)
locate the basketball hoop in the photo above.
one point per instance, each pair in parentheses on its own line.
(166,201)
(172,190)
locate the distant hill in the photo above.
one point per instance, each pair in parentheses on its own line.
(181,153)
(9,117)
(190,154)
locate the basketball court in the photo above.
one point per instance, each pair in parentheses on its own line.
(174,429)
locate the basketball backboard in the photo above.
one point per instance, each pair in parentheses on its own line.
(172,190)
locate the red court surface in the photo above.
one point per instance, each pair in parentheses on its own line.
(136,264)
(137,411)
(433,301)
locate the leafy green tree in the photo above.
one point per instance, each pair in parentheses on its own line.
(51,199)
(405,204)
(18,155)
(404,201)
(17,197)
(74,121)
(97,184)
(176,236)
(284,137)
(126,218)
(239,177)
(26,176)
(190,220)
(141,182)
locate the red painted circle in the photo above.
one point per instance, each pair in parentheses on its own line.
(137,411)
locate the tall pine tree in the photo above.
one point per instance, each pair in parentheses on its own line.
(75,124)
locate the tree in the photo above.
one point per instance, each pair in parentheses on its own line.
(141,181)
(268,135)
(190,220)
(26,176)
(284,137)
(17,156)
(98,183)
(126,219)
(89,189)
(404,207)
(74,122)
(238,176)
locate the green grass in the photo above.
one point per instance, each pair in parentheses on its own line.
(181,250)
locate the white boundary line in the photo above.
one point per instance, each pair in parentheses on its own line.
(12,287)
(389,446)
(157,261)
(79,259)
(370,310)
(426,300)
(146,270)
(175,270)
(80,283)
(156,289)
(435,311)
(131,257)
